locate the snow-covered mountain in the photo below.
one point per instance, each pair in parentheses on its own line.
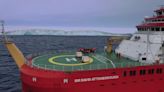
(61,32)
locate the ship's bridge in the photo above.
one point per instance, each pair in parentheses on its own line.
(146,44)
(160,11)
(154,23)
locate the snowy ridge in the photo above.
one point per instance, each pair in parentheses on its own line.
(61,32)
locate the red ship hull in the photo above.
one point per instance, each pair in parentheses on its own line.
(39,80)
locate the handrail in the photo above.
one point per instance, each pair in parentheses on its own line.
(80,68)
(89,67)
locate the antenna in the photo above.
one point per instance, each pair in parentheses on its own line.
(3,30)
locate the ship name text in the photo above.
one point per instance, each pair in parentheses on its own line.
(96,78)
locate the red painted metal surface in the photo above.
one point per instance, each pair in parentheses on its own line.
(161,9)
(154,17)
(151,25)
(39,80)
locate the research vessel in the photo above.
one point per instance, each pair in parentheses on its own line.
(135,65)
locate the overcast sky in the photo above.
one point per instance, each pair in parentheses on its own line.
(78,13)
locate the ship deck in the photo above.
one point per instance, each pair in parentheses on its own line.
(68,62)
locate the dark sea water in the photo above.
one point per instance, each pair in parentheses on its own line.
(9,73)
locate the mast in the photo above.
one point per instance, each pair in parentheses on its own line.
(3,31)
(16,54)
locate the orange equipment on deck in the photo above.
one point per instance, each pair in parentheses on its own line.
(13,50)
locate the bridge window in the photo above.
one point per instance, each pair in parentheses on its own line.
(157,29)
(162,29)
(152,29)
(159,13)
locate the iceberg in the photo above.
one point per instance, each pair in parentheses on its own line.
(61,32)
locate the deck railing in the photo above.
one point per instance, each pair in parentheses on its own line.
(86,67)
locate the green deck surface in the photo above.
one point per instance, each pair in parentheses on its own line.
(68,62)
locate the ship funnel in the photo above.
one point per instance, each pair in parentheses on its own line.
(13,49)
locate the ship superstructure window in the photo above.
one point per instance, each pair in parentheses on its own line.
(132,73)
(152,29)
(142,29)
(157,29)
(144,58)
(142,72)
(138,29)
(160,13)
(124,74)
(159,70)
(162,29)
(151,71)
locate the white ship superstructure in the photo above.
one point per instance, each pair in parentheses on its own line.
(146,44)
